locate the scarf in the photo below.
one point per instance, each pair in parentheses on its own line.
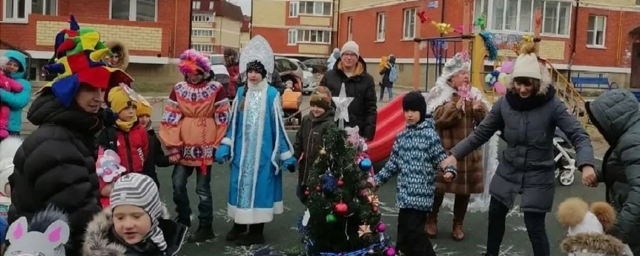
(125,126)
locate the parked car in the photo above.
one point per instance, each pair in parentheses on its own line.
(219,69)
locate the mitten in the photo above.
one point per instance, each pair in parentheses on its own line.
(290,164)
(223,153)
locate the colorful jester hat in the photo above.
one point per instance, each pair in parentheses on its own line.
(78,59)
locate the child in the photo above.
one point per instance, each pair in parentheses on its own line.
(137,223)
(587,226)
(16,100)
(309,136)
(47,233)
(156,156)
(416,155)
(127,137)
(8,149)
(9,85)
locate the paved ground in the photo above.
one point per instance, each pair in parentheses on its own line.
(281,234)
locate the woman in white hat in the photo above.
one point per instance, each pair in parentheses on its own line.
(527,116)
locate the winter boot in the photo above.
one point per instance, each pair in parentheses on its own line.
(432,218)
(236,231)
(202,234)
(459,211)
(255,236)
(184,221)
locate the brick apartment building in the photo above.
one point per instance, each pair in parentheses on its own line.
(245,31)
(600,37)
(154,34)
(216,25)
(297,28)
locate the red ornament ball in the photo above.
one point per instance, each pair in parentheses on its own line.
(318,188)
(340,183)
(307,193)
(374,209)
(341,208)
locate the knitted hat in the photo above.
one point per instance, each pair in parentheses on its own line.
(143,109)
(336,53)
(414,101)
(119,100)
(78,59)
(140,190)
(321,98)
(527,65)
(193,62)
(257,67)
(350,46)
(459,62)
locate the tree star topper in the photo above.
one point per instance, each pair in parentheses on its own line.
(342,107)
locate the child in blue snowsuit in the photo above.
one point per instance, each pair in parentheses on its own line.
(415,158)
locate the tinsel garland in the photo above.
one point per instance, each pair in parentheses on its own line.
(492,48)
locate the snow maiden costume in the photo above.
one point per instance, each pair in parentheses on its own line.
(193,124)
(471,186)
(258,147)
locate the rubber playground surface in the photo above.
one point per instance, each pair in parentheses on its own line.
(282,235)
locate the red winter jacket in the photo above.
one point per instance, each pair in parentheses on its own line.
(234,78)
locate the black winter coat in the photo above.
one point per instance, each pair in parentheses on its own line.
(156,157)
(617,117)
(56,166)
(363,110)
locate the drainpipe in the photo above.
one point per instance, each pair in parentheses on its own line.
(574,39)
(442,15)
(336,12)
(190,22)
(251,22)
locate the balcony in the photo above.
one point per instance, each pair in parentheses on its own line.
(141,38)
(315,21)
(313,49)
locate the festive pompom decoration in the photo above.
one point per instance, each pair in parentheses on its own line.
(507,67)
(492,48)
(192,61)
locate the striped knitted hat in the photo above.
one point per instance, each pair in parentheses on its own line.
(140,190)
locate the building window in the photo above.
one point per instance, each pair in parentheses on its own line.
(203,48)
(349,28)
(409,24)
(195,5)
(202,32)
(201,18)
(18,10)
(134,10)
(314,36)
(381,26)
(597,30)
(45,7)
(292,36)
(519,15)
(293,9)
(211,4)
(315,8)
(556,18)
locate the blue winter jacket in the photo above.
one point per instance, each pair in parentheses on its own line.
(16,101)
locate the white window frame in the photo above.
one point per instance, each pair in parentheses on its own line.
(292,37)
(133,6)
(198,32)
(557,18)
(593,41)
(195,5)
(302,33)
(514,28)
(211,5)
(28,5)
(293,9)
(381,26)
(199,48)
(409,23)
(349,28)
(302,10)
(202,18)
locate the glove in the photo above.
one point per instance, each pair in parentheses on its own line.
(290,164)
(223,154)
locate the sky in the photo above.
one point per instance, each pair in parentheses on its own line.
(245,4)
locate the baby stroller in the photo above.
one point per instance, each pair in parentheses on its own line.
(565,164)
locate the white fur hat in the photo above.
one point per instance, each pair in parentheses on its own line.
(8,149)
(527,65)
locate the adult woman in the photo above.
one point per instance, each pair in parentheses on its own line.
(456,115)
(56,164)
(527,117)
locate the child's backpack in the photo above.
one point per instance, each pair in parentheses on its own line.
(393,73)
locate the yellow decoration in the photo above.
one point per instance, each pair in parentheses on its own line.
(443,28)
(364,229)
(373,199)
(527,38)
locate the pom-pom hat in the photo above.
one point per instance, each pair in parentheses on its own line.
(193,62)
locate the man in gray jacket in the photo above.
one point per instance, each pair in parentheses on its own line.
(617,117)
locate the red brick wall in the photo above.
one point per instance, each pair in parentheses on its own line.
(277,38)
(173,18)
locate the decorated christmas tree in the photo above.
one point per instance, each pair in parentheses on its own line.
(342,216)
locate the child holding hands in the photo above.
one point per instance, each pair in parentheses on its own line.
(415,157)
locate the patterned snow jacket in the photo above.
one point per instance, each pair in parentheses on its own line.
(416,156)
